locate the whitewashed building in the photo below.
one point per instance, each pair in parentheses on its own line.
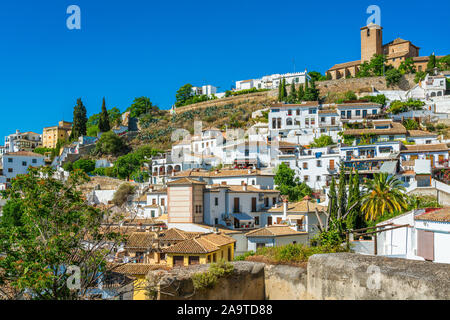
(15,163)
(272,81)
(23,141)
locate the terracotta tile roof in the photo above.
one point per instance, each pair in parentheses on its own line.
(397,128)
(24,153)
(174,234)
(200,244)
(140,240)
(420,133)
(442,215)
(426,58)
(285,144)
(345,65)
(218,239)
(301,206)
(273,231)
(133,268)
(185,180)
(425,148)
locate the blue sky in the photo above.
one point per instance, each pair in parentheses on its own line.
(127,49)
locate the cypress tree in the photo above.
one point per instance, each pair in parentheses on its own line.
(292,94)
(332,201)
(342,192)
(103,124)
(301,93)
(280,89)
(79,120)
(431,63)
(284,92)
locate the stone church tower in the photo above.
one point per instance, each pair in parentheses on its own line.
(371,41)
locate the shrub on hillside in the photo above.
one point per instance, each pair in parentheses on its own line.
(121,195)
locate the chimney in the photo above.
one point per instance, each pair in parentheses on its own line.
(244,186)
(285,205)
(217,171)
(249,171)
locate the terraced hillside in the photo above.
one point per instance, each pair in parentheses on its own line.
(232,112)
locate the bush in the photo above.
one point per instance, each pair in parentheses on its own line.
(393,76)
(42,150)
(86,165)
(244,256)
(68,166)
(110,143)
(99,172)
(121,195)
(209,278)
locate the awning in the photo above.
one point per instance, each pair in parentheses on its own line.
(295,217)
(242,217)
(389,167)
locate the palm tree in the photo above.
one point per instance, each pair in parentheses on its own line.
(384,193)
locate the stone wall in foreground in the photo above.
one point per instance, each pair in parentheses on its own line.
(336,276)
(352,276)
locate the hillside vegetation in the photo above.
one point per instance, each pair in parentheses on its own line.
(156,127)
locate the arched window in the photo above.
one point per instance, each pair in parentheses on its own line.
(433,94)
(289,122)
(439,93)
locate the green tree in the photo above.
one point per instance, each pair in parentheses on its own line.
(410,124)
(289,185)
(292,97)
(393,77)
(420,76)
(322,141)
(110,143)
(54,223)
(79,126)
(311,93)
(444,62)
(431,63)
(301,93)
(332,201)
(342,193)
(407,66)
(86,165)
(140,106)
(183,95)
(355,219)
(384,194)
(103,124)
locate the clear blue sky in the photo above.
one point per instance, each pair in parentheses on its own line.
(132,48)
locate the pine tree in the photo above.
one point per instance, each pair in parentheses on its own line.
(306,85)
(103,124)
(79,120)
(283,90)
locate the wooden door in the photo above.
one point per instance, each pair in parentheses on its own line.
(331,164)
(425,244)
(269,221)
(236,205)
(253,204)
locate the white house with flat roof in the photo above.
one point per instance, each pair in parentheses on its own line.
(272,81)
(15,163)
